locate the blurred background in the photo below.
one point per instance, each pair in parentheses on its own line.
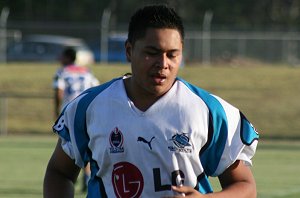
(226,30)
(247,52)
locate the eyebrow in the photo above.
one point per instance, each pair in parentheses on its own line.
(150,47)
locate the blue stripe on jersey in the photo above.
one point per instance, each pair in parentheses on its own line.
(65,134)
(96,186)
(81,136)
(93,186)
(203,185)
(248,133)
(210,157)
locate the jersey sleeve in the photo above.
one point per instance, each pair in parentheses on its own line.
(70,127)
(232,137)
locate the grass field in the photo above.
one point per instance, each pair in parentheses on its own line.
(24,159)
(267,95)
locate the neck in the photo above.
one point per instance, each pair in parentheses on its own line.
(141,98)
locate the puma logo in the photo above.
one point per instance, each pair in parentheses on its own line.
(141,139)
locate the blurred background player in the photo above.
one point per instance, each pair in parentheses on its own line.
(69,81)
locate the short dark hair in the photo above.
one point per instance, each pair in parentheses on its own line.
(153,16)
(70,53)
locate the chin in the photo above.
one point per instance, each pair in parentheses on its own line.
(159,91)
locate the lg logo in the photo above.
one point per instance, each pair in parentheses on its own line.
(177,177)
(128,181)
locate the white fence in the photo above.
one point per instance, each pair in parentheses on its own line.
(272,47)
(200,46)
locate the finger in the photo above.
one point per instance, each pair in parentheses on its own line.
(182,190)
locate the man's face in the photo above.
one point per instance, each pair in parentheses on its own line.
(155,60)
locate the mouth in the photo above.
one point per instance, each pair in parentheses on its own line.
(159,78)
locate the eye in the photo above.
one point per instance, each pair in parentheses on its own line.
(172,54)
(152,53)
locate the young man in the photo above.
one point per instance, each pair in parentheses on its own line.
(152,134)
(70,81)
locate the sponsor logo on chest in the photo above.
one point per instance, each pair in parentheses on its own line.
(116,140)
(180,143)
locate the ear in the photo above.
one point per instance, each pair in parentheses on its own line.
(128,48)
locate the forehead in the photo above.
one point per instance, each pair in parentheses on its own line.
(161,38)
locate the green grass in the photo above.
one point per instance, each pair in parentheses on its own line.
(267,95)
(277,169)
(24,160)
(23,163)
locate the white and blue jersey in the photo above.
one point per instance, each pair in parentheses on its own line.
(185,137)
(73,80)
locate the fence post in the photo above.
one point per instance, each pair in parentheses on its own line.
(3,114)
(104,35)
(3,33)
(206,37)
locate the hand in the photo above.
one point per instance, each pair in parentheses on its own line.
(185,191)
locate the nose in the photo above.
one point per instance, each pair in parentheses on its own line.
(162,61)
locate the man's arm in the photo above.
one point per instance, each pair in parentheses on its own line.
(61,174)
(58,97)
(236,181)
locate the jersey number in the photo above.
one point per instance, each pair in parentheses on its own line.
(75,84)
